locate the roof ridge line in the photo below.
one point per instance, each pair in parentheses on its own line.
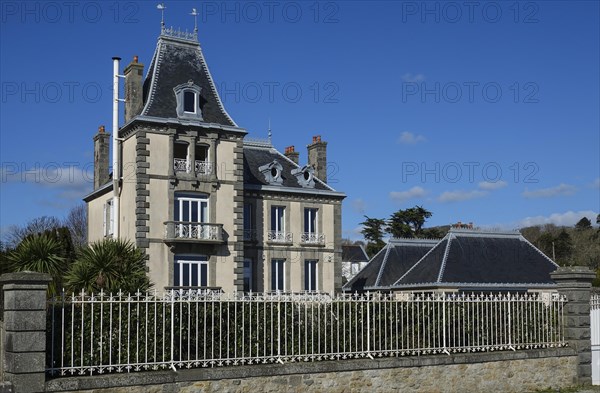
(451,237)
(383,263)
(347,285)
(420,260)
(522,238)
(156,60)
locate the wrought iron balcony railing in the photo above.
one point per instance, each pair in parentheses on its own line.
(280,237)
(200,167)
(312,238)
(193,231)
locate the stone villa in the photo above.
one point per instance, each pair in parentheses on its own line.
(210,207)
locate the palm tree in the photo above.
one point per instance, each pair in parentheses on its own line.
(40,253)
(109,265)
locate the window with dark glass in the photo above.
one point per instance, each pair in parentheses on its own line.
(310,220)
(248,287)
(277,275)
(310,275)
(278,218)
(189,102)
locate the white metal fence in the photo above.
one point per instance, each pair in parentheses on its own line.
(595,330)
(121,333)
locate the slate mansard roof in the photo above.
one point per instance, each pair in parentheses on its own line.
(477,259)
(464,259)
(389,264)
(257,154)
(177,61)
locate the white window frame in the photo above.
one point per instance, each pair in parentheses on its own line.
(312,226)
(199,200)
(274,209)
(313,282)
(275,274)
(188,262)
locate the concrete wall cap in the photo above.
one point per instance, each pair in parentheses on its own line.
(25,277)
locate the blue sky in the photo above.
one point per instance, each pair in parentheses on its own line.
(485,112)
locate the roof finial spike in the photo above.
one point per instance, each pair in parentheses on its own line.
(195,14)
(270,133)
(162,8)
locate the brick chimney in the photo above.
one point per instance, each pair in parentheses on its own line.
(292,154)
(133,89)
(101,151)
(317,157)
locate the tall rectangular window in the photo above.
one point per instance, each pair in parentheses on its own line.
(278,218)
(189,101)
(109,218)
(310,220)
(248,217)
(248,275)
(191,271)
(310,275)
(278,275)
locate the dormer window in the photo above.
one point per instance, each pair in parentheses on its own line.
(305,176)
(272,172)
(188,100)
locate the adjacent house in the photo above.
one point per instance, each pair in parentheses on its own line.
(354,258)
(209,206)
(466,259)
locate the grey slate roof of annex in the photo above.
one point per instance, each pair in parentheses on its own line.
(177,61)
(475,258)
(395,259)
(259,154)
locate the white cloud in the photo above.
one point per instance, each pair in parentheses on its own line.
(408,77)
(68,182)
(401,196)
(358,205)
(461,195)
(569,218)
(560,190)
(490,186)
(408,138)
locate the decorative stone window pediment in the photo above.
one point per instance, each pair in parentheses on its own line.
(305,176)
(188,100)
(272,172)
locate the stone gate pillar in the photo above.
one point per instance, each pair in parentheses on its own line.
(575,282)
(24,346)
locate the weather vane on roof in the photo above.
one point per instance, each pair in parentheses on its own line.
(195,14)
(162,8)
(270,133)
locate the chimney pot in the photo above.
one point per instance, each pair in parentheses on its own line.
(135,59)
(101,129)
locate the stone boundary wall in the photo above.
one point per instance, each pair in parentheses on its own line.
(520,371)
